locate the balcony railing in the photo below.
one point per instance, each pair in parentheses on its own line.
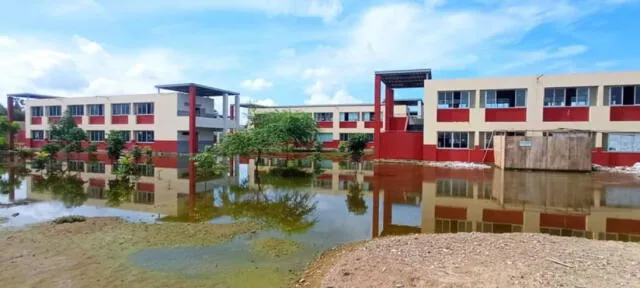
(205,115)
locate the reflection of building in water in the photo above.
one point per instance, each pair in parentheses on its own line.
(334,177)
(162,188)
(600,206)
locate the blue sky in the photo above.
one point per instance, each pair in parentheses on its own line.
(302,51)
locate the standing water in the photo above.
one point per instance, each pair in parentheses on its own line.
(340,203)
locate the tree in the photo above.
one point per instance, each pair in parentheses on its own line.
(209,163)
(7,130)
(68,135)
(357,144)
(115,145)
(18,110)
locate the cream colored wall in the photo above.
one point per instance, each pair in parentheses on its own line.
(535,85)
(398,111)
(165,107)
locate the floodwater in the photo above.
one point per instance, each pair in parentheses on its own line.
(341,203)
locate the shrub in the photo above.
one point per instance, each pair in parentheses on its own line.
(69,219)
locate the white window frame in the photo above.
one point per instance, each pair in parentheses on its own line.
(636,97)
(91,107)
(564,97)
(149,108)
(91,167)
(147,133)
(453,135)
(37,132)
(634,138)
(495,105)
(320,119)
(118,112)
(323,141)
(73,112)
(446,99)
(348,114)
(54,106)
(92,133)
(39,109)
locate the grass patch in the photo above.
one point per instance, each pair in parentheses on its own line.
(69,219)
(275,247)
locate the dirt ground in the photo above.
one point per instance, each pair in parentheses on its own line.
(478,260)
(94,253)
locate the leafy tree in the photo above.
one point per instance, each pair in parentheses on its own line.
(68,135)
(6,130)
(210,163)
(115,145)
(18,110)
(357,144)
(355,199)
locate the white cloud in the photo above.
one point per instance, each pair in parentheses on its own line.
(87,46)
(318,94)
(540,56)
(315,73)
(256,84)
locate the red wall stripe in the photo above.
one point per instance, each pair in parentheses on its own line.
(324,124)
(565,114)
(349,124)
(503,216)
(578,222)
(624,113)
(624,226)
(505,114)
(455,213)
(453,115)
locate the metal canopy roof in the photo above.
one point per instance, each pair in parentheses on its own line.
(201,90)
(407,101)
(31,96)
(405,78)
(251,105)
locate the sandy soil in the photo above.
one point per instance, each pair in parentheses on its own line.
(94,253)
(482,260)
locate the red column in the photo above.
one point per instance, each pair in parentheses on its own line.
(232,116)
(388,108)
(10,117)
(376,212)
(192,189)
(193,138)
(376,116)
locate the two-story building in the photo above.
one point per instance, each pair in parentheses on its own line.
(163,121)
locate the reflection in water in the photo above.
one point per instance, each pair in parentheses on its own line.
(64,187)
(355,199)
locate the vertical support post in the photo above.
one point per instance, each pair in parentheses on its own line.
(232,116)
(388,107)
(237,111)
(375,222)
(193,137)
(225,114)
(10,116)
(376,115)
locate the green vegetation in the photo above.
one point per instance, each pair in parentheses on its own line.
(5,130)
(69,219)
(18,110)
(210,163)
(355,199)
(115,145)
(275,247)
(357,144)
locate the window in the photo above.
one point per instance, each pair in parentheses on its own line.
(453,99)
(96,136)
(143,108)
(96,167)
(457,140)
(623,142)
(76,166)
(37,134)
(76,110)
(487,137)
(323,117)
(624,95)
(454,188)
(96,192)
(146,170)
(144,136)
(560,97)
(505,98)
(96,109)
(120,109)
(344,136)
(36,111)
(324,137)
(369,137)
(368,116)
(126,135)
(54,111)
(349,116)
(143,197)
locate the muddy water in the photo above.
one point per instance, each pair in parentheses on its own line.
(340,203)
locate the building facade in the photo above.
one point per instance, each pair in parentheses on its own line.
(161,121)
(337,122)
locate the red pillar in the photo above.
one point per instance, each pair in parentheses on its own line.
(232,116)
(388,108)
(376,212)
(10,117)
(193,138)
(376,111)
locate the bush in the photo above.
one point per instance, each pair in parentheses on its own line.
(25,153)
(69,219)
(343,146)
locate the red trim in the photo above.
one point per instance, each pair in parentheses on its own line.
(232,114)
(505,114)
(193,136)
(325,176)
(37,143)
(388,106)
(324,124)
(120,119)
(145,119)
(578,222)
(96,120)
(401,145)
(94,182)
(36,120)
(565,114)
(503,216)
(369,124)
(331,144)
(351,124)
(612,159)
(376,115)
(455,213)
(165,162)
(163,146)
(53,119)
(453,115)
(347,177)
(150,187)
(624,226)
(10,118)
(77,119)
(398,124)
(624,113)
